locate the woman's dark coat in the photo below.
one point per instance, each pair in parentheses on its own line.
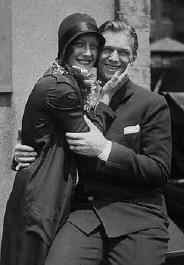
(40,198)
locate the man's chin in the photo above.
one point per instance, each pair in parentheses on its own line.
(108,76)
(109,73)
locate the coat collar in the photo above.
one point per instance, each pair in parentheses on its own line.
(62,75)
(122,94)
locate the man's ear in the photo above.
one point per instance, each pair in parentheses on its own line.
(133,59)
(132,63)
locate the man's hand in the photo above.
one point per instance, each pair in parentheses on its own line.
(90,143)
(24,155)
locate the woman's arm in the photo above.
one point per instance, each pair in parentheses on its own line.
(102,117)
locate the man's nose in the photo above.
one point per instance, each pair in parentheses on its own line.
(114,56)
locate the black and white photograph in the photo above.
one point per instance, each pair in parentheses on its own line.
(91,132)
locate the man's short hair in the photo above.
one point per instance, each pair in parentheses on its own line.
(121,25)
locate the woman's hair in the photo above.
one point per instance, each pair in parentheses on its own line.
(68,52)
(120,25)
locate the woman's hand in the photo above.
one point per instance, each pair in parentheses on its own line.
(110,88)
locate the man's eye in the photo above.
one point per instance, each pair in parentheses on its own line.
(123,53)
(107,50)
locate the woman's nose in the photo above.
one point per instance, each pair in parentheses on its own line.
(87,51)
(114,56)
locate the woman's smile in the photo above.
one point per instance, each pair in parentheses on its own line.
(84,51)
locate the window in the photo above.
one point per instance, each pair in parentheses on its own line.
(167,9)
(153,10)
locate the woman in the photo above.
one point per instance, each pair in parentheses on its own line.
(40,198)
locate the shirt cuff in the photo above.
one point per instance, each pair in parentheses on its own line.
(106,151)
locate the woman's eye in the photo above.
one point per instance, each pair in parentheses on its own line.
(94,46)
(79,44)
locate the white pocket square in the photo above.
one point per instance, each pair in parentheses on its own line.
(132,129)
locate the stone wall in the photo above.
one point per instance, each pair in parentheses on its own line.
(138,14)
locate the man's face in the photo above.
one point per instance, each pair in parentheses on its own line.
(116,54)
(84,51)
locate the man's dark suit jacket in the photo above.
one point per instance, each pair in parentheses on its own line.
(125,192)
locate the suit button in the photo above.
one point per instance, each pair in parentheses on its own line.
(90,198)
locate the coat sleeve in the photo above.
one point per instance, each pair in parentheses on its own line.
(63,105)
(102,117)
(151,166)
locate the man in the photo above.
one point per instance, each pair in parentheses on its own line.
(118,214)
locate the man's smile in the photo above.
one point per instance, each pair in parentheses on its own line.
(113,67)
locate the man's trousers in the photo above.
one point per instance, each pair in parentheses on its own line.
(73,247)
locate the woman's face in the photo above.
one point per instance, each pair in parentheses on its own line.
(84,51)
